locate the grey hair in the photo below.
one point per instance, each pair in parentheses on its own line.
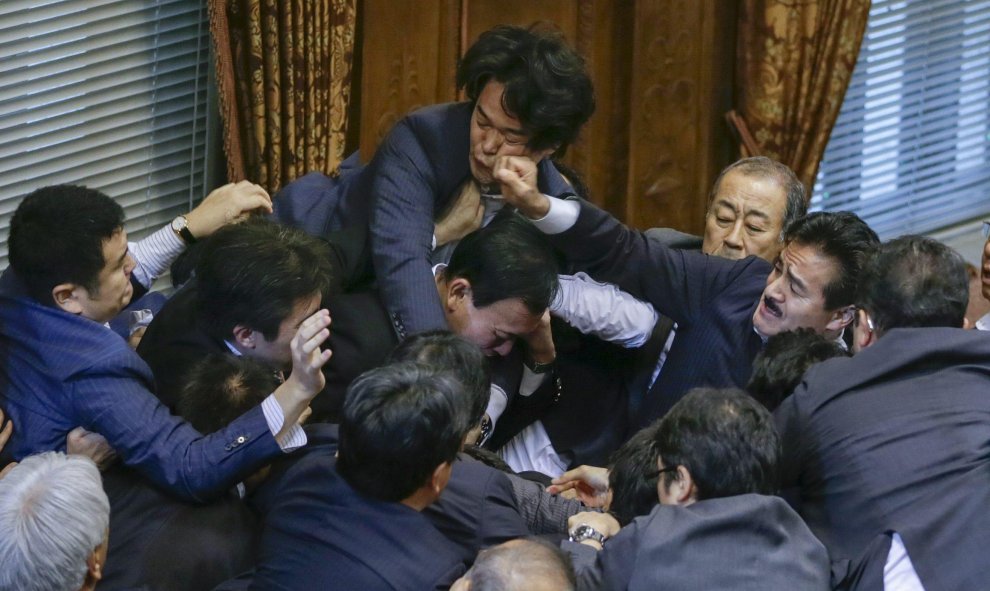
(762,167)
(53,515)
(514,565)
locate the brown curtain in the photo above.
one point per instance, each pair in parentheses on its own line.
(795,59)
(284,78)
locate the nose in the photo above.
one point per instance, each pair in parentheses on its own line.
(733,239)
(491,142)
(773,289)
(503,349)
(129,265)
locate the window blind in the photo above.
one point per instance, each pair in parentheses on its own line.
(110,94)
(911,147)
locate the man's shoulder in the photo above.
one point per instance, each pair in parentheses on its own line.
(674,238)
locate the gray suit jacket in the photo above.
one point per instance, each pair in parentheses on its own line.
(745,542)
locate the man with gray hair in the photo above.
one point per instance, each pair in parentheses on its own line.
(526,564)
(53,524)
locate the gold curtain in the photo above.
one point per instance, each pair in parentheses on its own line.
(284,79)
(795,59)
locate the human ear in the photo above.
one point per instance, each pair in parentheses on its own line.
(244,336)
(458,293)
(66,297)
(841,318)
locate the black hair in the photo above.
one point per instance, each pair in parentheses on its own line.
(725,439)
(57,235)
(547,86)
(445,351)
(914,281)
(519,564)
(400,422)
(220,388)
(779,367)
(254,273)
(634,491)
(764,168)
(507,259)
(843,237)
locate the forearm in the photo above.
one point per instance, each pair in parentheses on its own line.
(154,254)
(603,310)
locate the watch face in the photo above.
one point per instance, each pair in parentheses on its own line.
(178,223)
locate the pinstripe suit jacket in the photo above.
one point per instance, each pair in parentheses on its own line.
(712,299)
(59,371)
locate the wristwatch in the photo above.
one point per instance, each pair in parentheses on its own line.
(537,367)
(586,532)
(181,228)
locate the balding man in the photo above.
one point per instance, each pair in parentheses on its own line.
(530,564)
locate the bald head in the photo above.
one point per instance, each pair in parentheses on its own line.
(527,564)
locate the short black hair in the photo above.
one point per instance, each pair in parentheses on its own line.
(914,281)
(634,491)
(547,86)
(765,168)
(445,351)
(254,273)
(220,388)
(517,564)
(57,235)
(843,237)
(779,367)
(507,259)
(725,439)
(400,422)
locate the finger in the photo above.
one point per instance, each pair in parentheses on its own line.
(314,342)
(8,429)
(312,325)
(572,474)
(557,488)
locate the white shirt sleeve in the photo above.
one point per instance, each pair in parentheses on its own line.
(603,310)
(563,214)
(294,438)
(898,572)
(154,254)
(497,401)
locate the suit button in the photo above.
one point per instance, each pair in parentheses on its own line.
(241,440)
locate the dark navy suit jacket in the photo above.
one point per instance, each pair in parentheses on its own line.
(415,174)
(59,371)
(322,534)
(897,438)
(744,542)
(712,299)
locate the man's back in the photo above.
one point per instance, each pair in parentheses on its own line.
(741,542)
(322,534)
(897,438)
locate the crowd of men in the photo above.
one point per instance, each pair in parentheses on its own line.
(448,369)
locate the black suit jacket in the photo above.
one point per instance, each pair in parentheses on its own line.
(897,438)
(712,299)
(164,544)
(322,534)
(744,542)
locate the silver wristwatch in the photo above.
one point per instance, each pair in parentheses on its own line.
(586,532)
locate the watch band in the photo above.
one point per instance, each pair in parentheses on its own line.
(586,532)
(537,367)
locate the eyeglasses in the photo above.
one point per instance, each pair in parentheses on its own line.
(869,321)
(656,473)
(986,229)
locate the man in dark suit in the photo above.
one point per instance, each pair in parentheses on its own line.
(355,521)
(255,283)
(529,94)
(62,367)
(716,526)
(724,309)
(896,439)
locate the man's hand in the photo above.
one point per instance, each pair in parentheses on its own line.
(589,482)
(517,177)
(5,434)
(94,446)
(603,523)
(228,204)
(539,343)
(462,217)
(306,379)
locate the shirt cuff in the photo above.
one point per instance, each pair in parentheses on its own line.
(563,214)
(154,254)
(497,401)
(531,381)
(294,438)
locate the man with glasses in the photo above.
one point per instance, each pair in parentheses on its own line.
(717,525)
(895,441)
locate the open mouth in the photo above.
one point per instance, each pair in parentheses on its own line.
(771,307)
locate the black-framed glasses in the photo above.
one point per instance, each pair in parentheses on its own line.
(869,321)
(986,229)
(656,473)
